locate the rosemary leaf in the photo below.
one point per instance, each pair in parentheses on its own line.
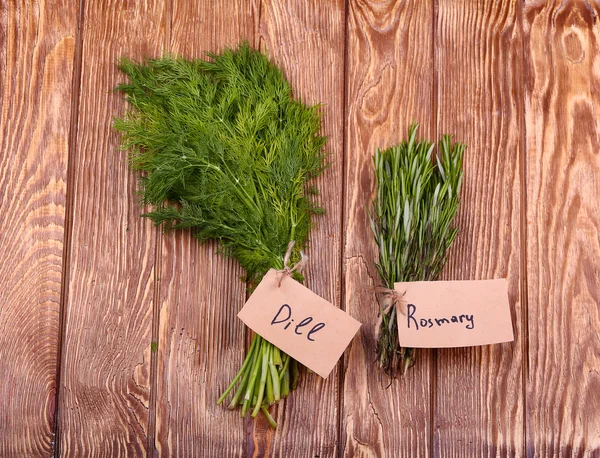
(416,200)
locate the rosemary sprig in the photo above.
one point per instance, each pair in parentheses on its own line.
(417,198)
(225,150)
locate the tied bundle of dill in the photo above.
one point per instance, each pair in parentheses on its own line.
(417,198)
(226,151)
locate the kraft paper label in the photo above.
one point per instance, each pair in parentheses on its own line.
(439,314)
(305,326)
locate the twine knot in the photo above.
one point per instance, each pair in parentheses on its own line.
(287,270)
(393,297)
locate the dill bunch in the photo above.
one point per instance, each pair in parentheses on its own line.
(226,151)
(417,197)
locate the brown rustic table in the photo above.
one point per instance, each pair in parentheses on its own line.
(87,287)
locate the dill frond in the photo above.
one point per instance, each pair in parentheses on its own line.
(226,151)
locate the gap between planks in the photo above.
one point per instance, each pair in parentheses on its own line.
(433,361)
(343,235)
(68,225)
(524,238)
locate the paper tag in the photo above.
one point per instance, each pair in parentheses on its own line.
(442,314)
(297,321)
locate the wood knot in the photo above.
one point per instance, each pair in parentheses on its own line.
(573,47)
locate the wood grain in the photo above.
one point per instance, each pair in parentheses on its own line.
(37,52)
(562,101)
(389,82)
(517,81)
(306,39)
(479,394)
(200,339)
(104,392)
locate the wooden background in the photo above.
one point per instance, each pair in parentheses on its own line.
(86,285)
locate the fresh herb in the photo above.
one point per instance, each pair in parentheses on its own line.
(226,151)
(416,200)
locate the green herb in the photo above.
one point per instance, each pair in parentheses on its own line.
(153,347)
(416,200)
(226,151)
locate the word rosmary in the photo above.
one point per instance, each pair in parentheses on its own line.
(431,322)
(450,314)
(284,315)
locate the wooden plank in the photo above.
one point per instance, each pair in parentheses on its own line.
(389,83)
(37,55)
(200,348)
(479,394)
(306,39)
(104,393)
(200,339)
(562,101)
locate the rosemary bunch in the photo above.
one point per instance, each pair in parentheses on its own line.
(226,151)
(417,198)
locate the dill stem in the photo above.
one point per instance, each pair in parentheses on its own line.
(263,378)
(248,397)
(270,395)
(274,377)
(270,419)
(295,374)
(245,378)
(285,379)
(239,391)
(277,357)
(249,357)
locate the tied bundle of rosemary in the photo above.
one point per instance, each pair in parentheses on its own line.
(226,151)
(417,198)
